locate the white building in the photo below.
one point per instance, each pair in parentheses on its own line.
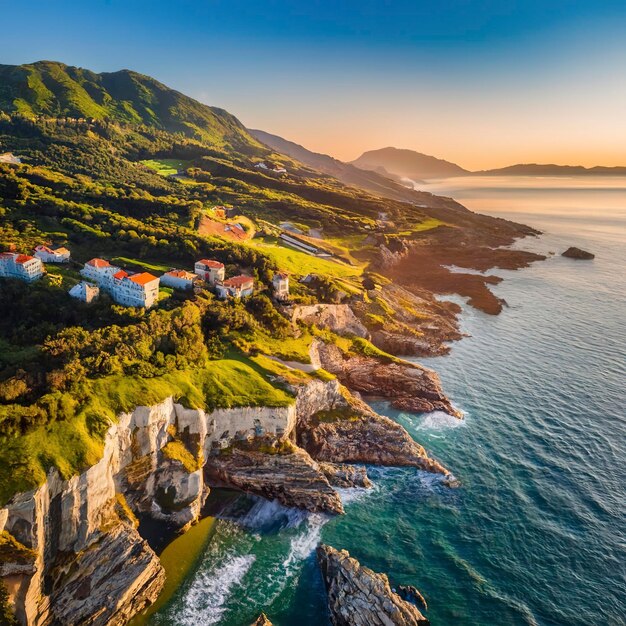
(9,157)
(235,287)
(209,270)
(134,290)
(22,266)
(99,271)
(261,166)
(49,255)
(84,291)
(128,289)
(178,279)
(280,283)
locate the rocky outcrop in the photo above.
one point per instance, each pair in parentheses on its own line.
(357,596)
(345,476)
(290,476)
(410,387)
(74,552)
(262,620)
(358,435)
(336,317)
(578,254)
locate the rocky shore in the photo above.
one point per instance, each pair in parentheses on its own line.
(357,596)
(73,553)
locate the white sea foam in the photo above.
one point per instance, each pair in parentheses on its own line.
(438,420)
(265,513)
(352,494)
(204,602)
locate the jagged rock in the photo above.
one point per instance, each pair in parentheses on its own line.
(292,478)
(412,594)
(344,475)
(576,253)
(410,387)
(359,435)
(262,620)
(336,317)
(358,596)
(109,582)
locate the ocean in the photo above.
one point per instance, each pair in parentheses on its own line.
(536,534)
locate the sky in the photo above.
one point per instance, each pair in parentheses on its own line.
(481,83)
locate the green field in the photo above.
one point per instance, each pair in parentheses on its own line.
(300,263)
(166,167)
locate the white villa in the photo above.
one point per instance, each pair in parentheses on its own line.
(209,270)
(9,157)
(135,290)
(21,266)
(50,255)
(141,290)
(280,283)
(99,271)
(85,291)
(235,287)
(179,279)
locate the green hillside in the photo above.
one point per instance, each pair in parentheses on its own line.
(52,89)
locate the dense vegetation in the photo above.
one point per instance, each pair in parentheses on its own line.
(119,166)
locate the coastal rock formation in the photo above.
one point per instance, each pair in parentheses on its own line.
(71,550)
(410,387)
(358,435)
(357,596)
(576,253)
(345,476)
(289,476)
(336,317)
(262,620)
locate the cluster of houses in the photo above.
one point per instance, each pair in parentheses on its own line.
(139,289)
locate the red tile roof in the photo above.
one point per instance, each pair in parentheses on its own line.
(143,279)
(43,248)
(98,263)
(119,275)
(181,274)
(210,263)
(238,281)
(23,258)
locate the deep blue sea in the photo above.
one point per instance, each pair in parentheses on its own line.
(536,534)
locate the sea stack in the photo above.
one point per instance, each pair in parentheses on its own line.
(576,253)
(357,596)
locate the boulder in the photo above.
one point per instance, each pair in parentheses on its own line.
(358,596)
(576,253)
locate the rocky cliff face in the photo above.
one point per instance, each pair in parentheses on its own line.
(79,558)
(89,564)
(336,317)
(357,596)
(410,387)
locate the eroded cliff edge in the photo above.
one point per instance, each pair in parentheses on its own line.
(77,555)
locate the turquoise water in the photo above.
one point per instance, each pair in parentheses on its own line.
(537,532)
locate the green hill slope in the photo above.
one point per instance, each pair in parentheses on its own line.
(52,89)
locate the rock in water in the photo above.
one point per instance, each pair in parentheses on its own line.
(357,596)
(346,476)
(262,621)
(578,254)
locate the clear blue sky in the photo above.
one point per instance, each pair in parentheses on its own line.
(482,83)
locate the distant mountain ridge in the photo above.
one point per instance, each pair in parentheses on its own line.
(50,88)
(408,164)
(348,174)
(417,166)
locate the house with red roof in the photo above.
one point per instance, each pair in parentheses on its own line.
(209,270)
(141,290)
(179,279)
(235,287)
(20,266)
(52,255)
